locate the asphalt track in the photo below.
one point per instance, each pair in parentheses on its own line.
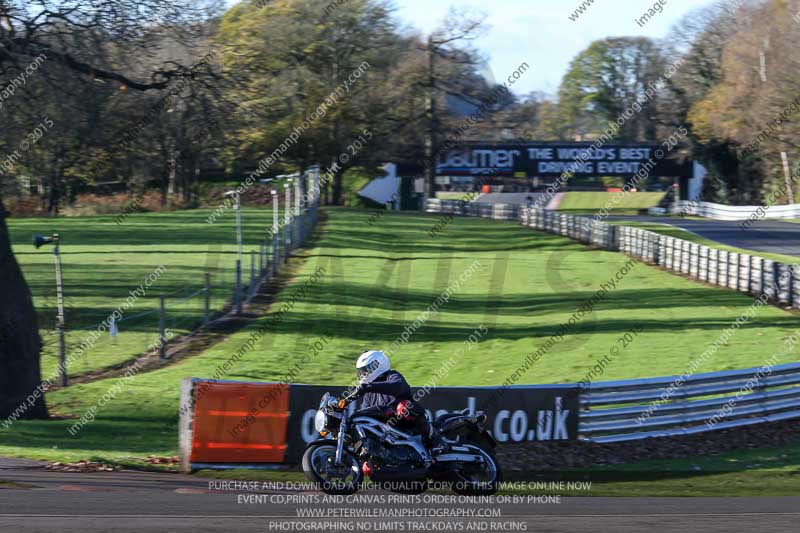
(770,236)
(44,501)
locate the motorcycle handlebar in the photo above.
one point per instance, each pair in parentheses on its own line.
(347,398)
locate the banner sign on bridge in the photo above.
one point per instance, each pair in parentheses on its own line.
(582,159)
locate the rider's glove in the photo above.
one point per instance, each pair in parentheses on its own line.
(361,389)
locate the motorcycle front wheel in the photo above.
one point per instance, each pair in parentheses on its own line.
(319,465)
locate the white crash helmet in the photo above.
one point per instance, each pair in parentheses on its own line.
(371,365)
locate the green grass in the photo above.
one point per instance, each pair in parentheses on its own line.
(379,278)
(680,233)
(103,261)
(592,202)
(450,195)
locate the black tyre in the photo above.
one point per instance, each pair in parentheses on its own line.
(479,481)
(320,468)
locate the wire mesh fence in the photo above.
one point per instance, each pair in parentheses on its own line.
(207,293)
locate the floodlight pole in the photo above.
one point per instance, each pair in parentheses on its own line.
(62,344)
(239,228)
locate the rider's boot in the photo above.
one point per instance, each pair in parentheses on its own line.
(436,443)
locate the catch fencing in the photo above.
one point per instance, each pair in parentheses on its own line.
(222,291)
(752,274)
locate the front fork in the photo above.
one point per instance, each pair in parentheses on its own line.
(340,439)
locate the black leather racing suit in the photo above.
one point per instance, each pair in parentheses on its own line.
(387,391)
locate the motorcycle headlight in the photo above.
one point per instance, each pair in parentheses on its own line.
(320,421)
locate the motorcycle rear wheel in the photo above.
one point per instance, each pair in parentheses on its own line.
(470,486)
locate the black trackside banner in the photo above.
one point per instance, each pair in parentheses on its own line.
(582,159)
(516,414)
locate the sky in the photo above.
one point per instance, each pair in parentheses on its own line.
(540,32)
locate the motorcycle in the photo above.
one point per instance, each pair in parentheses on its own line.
(369,442)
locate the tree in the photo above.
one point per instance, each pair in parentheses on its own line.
(606,79)
(697,44)
(447,70)
(317,79)
(74,36)
(740,111)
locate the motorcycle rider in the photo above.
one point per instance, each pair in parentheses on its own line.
(387,390)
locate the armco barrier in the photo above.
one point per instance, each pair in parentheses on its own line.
(216,431)
(682,405)
(730,212)
(752,274)
(602,412)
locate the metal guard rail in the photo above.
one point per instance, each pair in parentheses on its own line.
(617,411)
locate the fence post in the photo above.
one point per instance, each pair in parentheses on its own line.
(638,243)
(287,245)
(207,298)
(776,281)
(237,298)
(642,244)
(676,255)
(712,264)
(162,327)
(656,249)
(252,271)
(611,236)
(275,259)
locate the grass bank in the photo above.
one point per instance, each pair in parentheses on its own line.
(592,202)
(380,277)
(103,261)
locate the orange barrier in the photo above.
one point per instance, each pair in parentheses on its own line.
(239,423)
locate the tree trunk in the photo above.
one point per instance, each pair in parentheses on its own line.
(165,177)
(337,186)
(173,173)
(20,345)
